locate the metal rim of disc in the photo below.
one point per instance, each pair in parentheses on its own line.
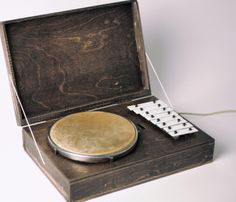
(94,158)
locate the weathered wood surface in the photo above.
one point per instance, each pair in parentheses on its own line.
(77,59)
(156,155)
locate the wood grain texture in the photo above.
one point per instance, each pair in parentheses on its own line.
(77,59)
(155,155)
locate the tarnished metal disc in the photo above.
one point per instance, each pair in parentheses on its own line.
(93,136)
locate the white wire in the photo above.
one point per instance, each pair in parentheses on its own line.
(156,75)
(210,113)
(27,121)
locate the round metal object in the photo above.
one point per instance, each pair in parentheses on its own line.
(93,136)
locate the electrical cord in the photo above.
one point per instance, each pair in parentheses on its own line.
(208,114)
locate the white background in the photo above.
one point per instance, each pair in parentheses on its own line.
(193,45)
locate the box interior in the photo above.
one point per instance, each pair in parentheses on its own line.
(77,59)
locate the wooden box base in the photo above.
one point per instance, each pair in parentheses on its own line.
(156,155)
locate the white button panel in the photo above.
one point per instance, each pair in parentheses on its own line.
(164,117)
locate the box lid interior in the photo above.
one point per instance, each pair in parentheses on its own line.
(77,60)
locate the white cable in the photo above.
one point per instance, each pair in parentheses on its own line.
(208,114)
(162,87)
(27,121)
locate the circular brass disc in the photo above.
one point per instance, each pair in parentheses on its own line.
(93,136)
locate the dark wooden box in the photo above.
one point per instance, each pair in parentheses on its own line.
(91,59)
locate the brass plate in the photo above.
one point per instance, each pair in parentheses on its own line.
(93,136)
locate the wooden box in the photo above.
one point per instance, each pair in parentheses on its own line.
(91,59)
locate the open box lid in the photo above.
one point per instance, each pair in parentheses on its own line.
(76,60)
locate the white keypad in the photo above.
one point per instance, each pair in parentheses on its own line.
(164,117)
